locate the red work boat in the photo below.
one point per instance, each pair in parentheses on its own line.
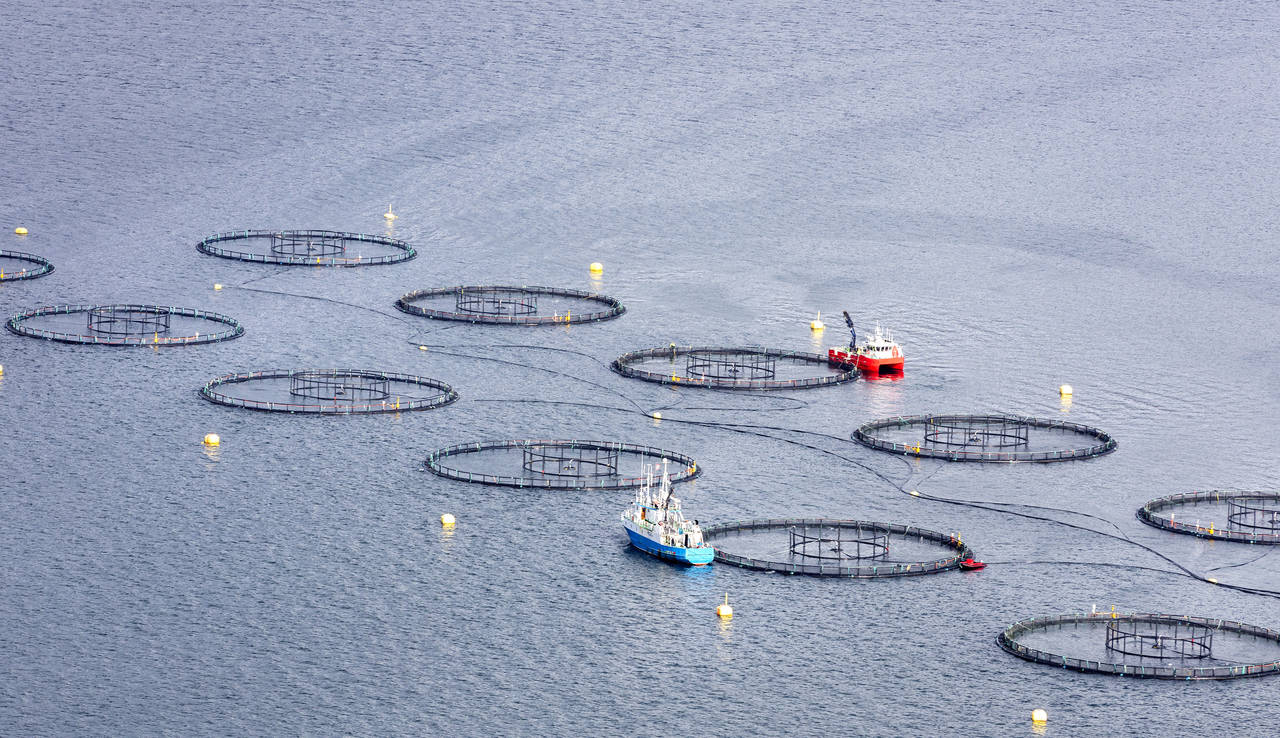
(971,564)
(880,353)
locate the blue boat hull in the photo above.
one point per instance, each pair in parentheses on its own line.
(692,556)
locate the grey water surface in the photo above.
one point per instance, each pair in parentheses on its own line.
(1080,193)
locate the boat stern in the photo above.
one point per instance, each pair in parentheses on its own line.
(841,357)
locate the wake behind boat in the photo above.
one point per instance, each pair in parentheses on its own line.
(656,525)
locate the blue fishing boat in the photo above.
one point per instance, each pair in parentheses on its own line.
(656,525)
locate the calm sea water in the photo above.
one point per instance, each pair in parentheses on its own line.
(1081,193)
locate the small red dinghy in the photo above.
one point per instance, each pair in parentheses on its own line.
(970,564)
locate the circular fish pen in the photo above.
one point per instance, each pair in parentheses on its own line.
(16,265)
(1224,515)
(824,547)
(328,391)
(745,367)
(1146,645)
(509,305)
(992,438)
(557,464)
(125,325)
(307,248)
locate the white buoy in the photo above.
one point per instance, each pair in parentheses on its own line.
(1039,716)
(389,215)
(1065,390)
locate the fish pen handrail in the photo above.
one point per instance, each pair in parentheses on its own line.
(899,569)
(1258,517)
(1150,513)
(614,307)
(688,468)
(570,461)
(715,365)
(977,430)
(1007,640)
(623,365)
(43,268)
(872,538)
(446,396)
(1186,641)
(865,435)
(128,320)
(337,386)
(404,252)
(491,303)
(17,324)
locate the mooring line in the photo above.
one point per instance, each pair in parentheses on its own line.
(756,430)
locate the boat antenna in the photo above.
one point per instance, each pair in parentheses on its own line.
(853,332)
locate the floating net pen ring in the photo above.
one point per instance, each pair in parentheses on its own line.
(731,367)
(328,391)
(510,305)
(1251,516)
(28,266)
(990,438)
(1152,646)
(855,549)
(556,464)
(125,325)
(307,248)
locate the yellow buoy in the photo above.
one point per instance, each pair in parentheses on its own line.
(656,415)
(1211,580)
(596,267)
(1065,390)
(1039,716)
(217,286)
(20,231)
(389,215)
(422,348)
(212,439)
(1,368)
(817,325)
(725,611)
(915,493)
(447,520)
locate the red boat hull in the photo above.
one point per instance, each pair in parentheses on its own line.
(843,358)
